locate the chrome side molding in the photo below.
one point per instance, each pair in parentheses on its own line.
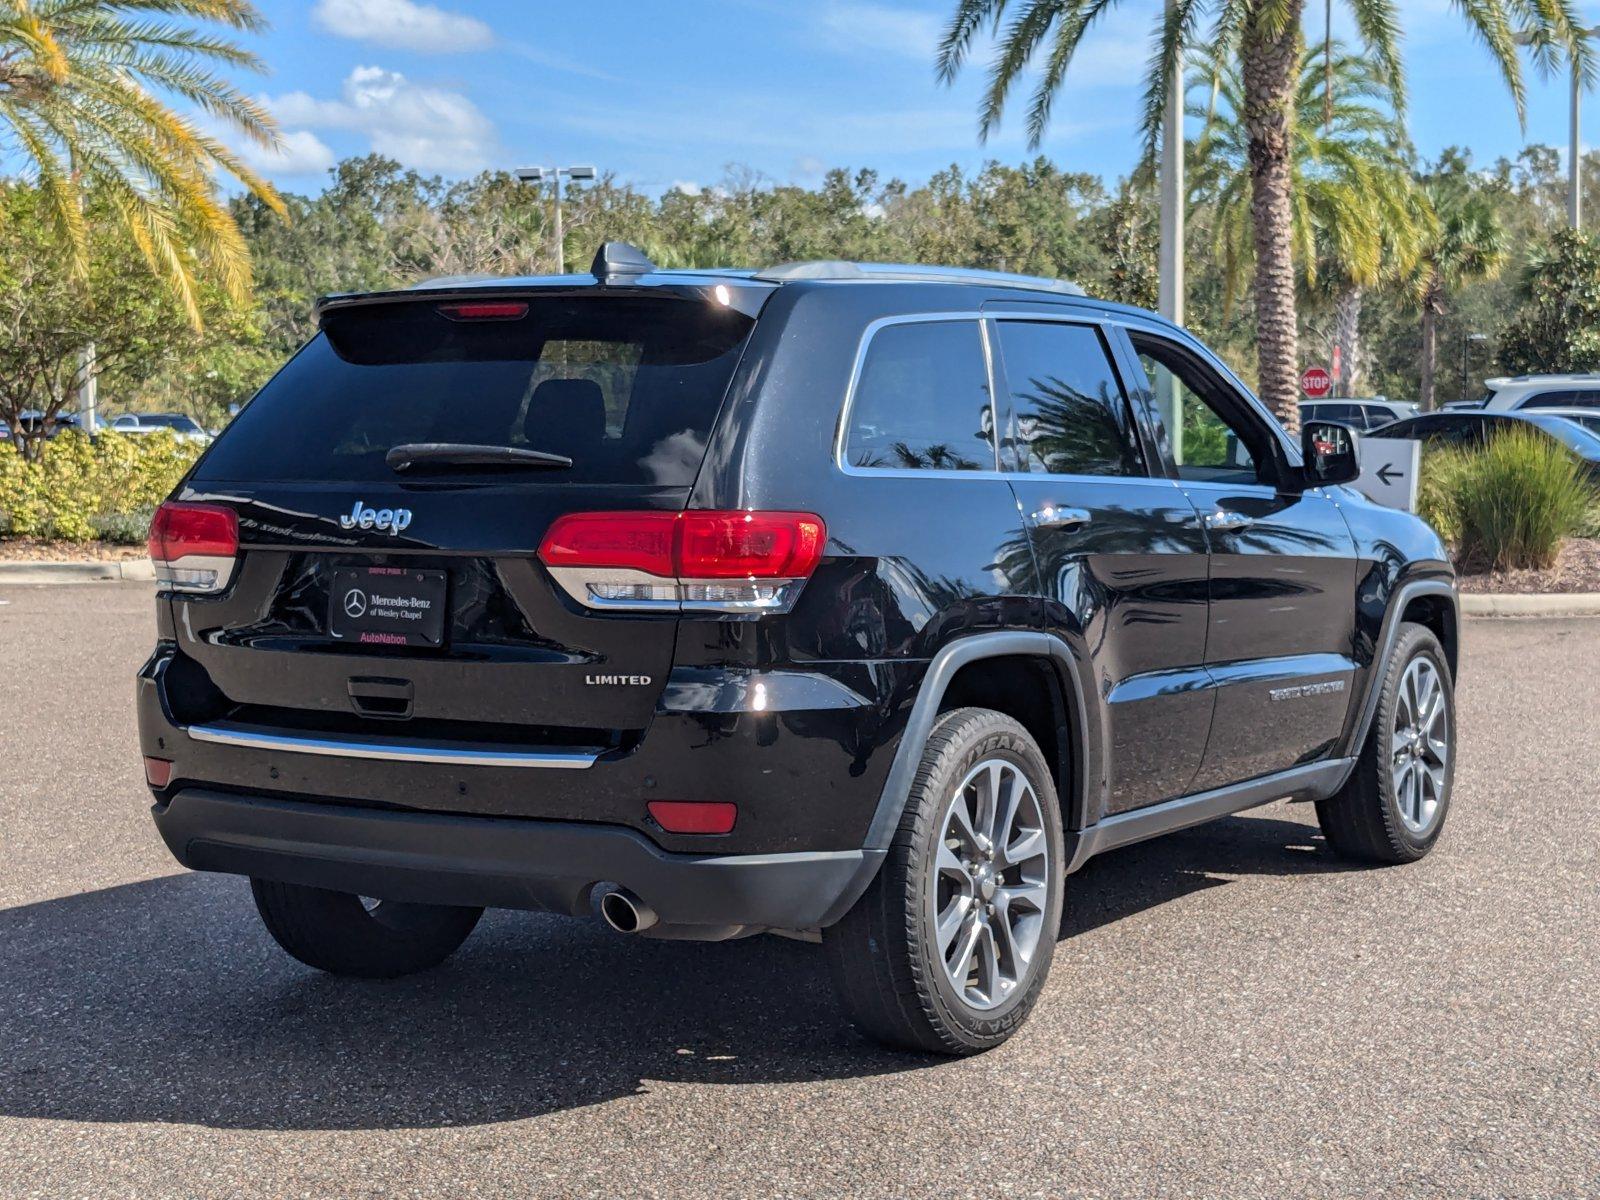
(394,749)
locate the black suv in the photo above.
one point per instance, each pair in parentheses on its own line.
(865,602)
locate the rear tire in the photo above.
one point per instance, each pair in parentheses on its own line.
(1393,807)
(338,933)
(949,947)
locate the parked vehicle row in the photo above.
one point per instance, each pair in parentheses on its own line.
(1360,414)
(185,428)
(863,601)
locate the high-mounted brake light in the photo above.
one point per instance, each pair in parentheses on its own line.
(495,310)
(698,561)
(194,546)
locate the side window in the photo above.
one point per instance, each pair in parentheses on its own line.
(1072,417)
(1209,445)
(922,401)
(1549,400)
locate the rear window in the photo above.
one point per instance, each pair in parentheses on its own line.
(626,387)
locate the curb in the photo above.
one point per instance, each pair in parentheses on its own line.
(1512,604)
(108,571)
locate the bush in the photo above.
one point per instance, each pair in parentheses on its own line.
(1509,505)
(77,489)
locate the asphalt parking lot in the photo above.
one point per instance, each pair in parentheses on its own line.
(1232,1011)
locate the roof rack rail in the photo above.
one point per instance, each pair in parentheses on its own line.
(839,271)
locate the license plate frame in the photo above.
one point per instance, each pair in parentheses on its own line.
(388,606)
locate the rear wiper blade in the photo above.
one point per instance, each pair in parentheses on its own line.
(414,455)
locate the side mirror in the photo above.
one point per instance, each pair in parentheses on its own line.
(1332,453)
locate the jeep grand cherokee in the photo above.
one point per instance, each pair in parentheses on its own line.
(861,601)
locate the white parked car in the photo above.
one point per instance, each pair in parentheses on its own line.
(184,428)
(1361,412)
(1510,393)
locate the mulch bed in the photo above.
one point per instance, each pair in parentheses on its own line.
(24,549)
(1577,569)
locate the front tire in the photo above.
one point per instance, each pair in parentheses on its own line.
(949,947)
(1392,808)
(344,935)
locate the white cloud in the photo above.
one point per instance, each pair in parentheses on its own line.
(403,25)
(430,128)
(809,166)
(878,29)
(299,152)
(687,186)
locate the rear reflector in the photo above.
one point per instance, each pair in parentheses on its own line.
(693,816)
(194,546)
(706,561)
(490,311)
(157,772)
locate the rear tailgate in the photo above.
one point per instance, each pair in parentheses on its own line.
(372,600)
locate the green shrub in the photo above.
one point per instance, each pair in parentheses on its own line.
(1438,489)
(1509,505)
(77,489)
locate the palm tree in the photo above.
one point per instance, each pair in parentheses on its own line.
(1466,244)
(1357,216)
(85,92)
(1268,38)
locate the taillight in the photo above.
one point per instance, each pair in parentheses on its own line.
(698,561)
(194,546)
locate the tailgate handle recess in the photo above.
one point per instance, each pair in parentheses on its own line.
(372,696)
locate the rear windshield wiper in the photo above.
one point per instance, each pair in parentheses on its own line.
(422,455)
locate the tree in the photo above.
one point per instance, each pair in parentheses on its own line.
(49,310)
(1556,326)
(1466,243)
(81,87)
(1356,217)
(1266,36)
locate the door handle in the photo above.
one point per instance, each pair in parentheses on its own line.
(1225,520)
(1051,517)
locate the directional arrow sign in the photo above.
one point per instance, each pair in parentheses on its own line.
(1389,471)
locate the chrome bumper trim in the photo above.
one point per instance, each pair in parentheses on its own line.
(394,749)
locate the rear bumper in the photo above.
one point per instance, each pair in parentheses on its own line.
(551,866)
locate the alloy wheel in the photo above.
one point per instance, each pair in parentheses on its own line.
(990,884)
(1420,748)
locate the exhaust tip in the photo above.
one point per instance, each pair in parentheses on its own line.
(625,912)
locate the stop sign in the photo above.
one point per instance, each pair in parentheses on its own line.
(1316,382)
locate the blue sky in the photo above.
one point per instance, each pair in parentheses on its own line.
(674,93)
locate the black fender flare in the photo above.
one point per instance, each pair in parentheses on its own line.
(1086,777)
(1393,615)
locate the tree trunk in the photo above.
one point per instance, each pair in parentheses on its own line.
(1430,345)
(1269,64)
(1347,336)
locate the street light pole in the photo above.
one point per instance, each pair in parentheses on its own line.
(1575,156)
(1574,142)
(539,175)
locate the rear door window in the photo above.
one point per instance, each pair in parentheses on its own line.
(628,388)
(1072,417)
(921,401)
